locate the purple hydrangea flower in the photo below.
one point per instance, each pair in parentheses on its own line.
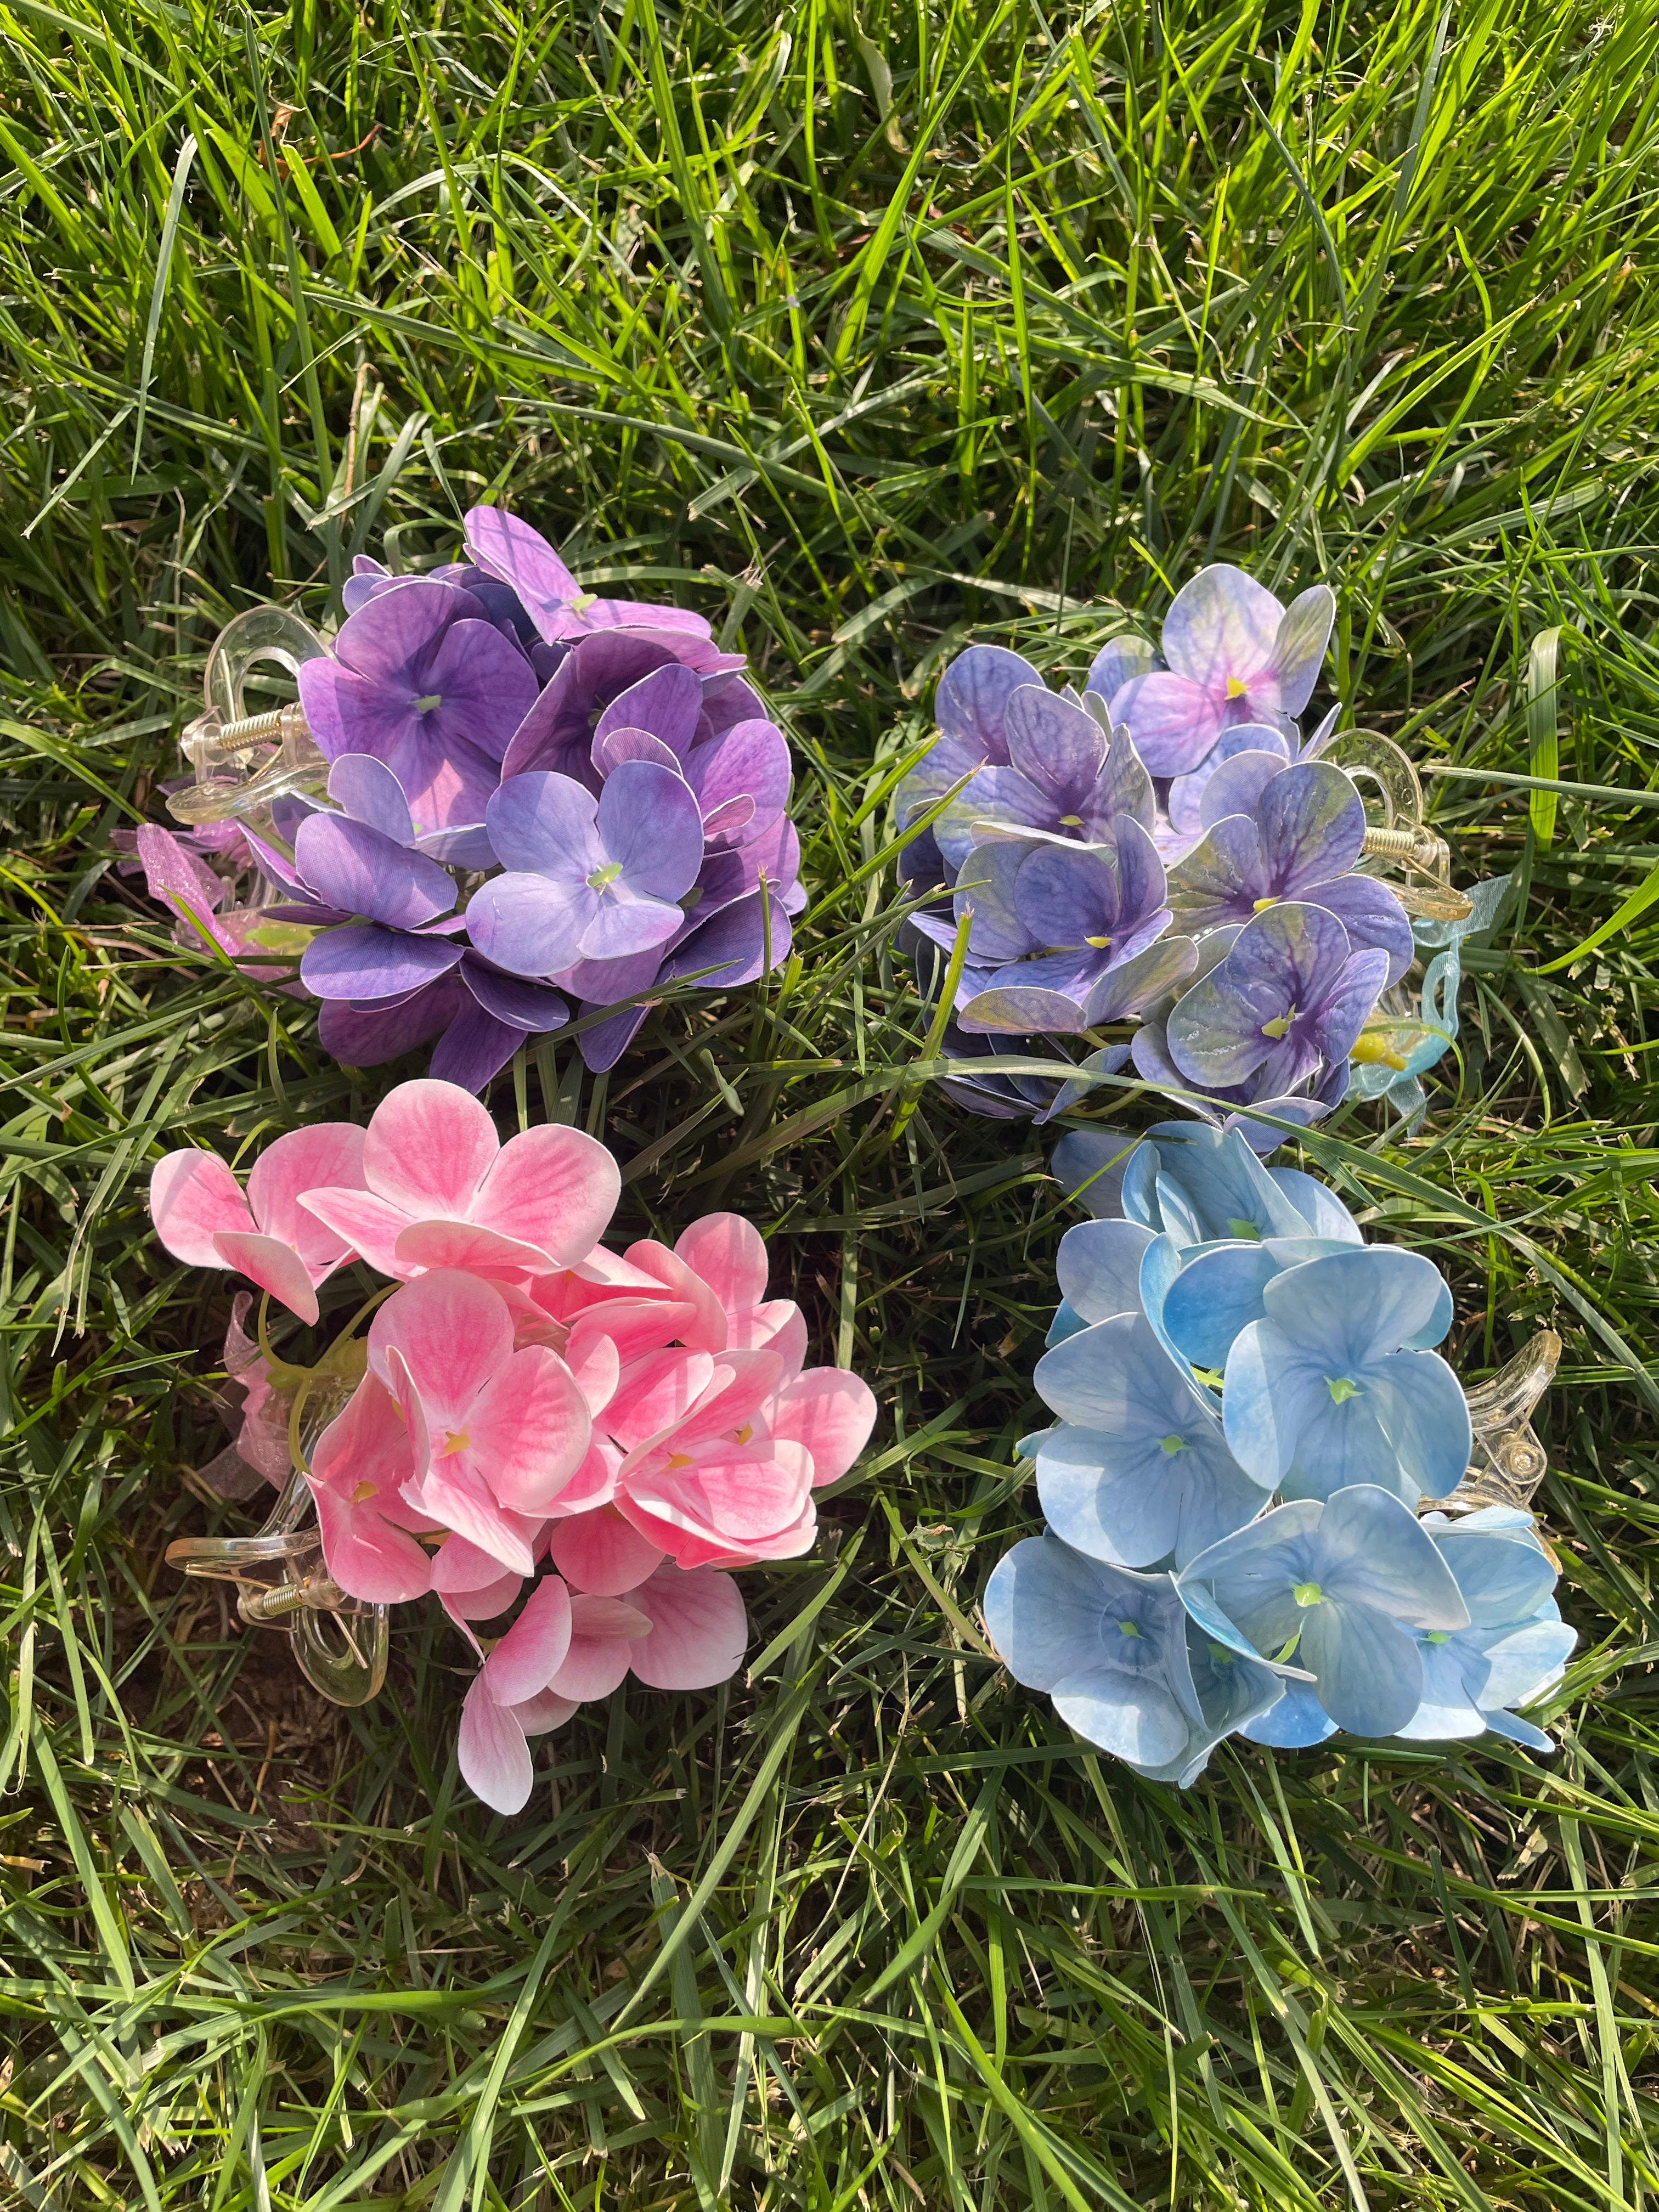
(509,551)
(1298,835)
(419,678)
(1288,996)
(1066,776)
(1234,654)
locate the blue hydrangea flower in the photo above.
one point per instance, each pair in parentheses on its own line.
(1333,1386)
(1516,1646)
(1197,1183)
(1121,1661)
(1331,1593)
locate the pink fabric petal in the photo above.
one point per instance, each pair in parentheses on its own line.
(494,1757)
(634,1326)
(656,1393)
(707,1332)
(366,1555)
(739,1499)
(401,1383)
(367,1442)
(528,1429)
(426,1246)
(742,1383)
(356,1217)
(592,1359)
(488,1601)
(593,1484)
(429,1146)
(594,1666)
(608,1271)
(532,1650)
(330,1153)
(790,1543)
(460,1566)
(453,1495)
(275,1267)
(193,1199)
(551,1187)
(831,1412)
(699,1629)
(537,1716)
(453,1332)
(600,1554)
(778,1326)
(729,1253)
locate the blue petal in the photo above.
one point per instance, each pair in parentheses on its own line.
(1066,1323)
(1503,1578)
(1090,1164)
(1369,1671)
(1138,1719)
(1218,1293)
(1318,1204)
(1098,1267)
(1519,1731)
(1350,1308)
(1523,1667)
(1297,1720)
(1372,1551)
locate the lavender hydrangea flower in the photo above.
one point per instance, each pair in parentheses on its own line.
(1300,840)
(1066,776)
(1234,654)
(1288,995)
(509,551)
(420,679)
(1330,1593)
(1120,1658)
(1334,1385)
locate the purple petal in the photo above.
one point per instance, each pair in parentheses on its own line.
(732,945)
(466,846)
(726,877)
(1222,876)
(1021,1010)
(546,823)
(366,573)
(1142,884)
(390,642)
(361,872)
(728,820)
(1371,914)
(603,1045)
(1122,792)
(475,1046)
(619,745)
(517,555)
(529,924)
(1143,974)
(1174,722)
(603,982)
(998,796)
(360,1038)
(483,687)
(752,758)
(1186,792)
(347,714)
(668,704)
(1119,661)
(1313,825)
(987,889)
(509,999)
(363,961)
(1221,629)
(369,791)
(649,822)
(973,694)
(1281,966)
(728,700)
(1068,898)
(557,731)
(1238,784)
(1054,744)
(1300,646)
(624,925)
(1344,1011)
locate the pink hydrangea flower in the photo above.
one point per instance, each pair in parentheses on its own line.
(438,1189)
(203,1218)
(359,1471)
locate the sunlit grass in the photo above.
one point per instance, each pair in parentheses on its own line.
(861,328)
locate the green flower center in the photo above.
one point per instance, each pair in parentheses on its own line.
(1436,1636)
(602,877)
(1246,1229)
(1306,1594)
(1127,1628)
(425,706)
(1260,906)
(1342,1389)
(1172,1444)
(1280,1025)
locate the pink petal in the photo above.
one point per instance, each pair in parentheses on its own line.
(428,1245)
(494,1755)
(528,1428)
(366,1443)
(730,1255)
(537,1716)
(831,1412)
(368,1224)
(778,1326)
(551,1187)
(604,1618)
(241,1350)
(193,1198)
(366,1555)
(330,1153)
(452,1331)
(428,1147)
(608,1271)
(454,1496)
(460,1566)
(600,1554)
(532,1650)
(594,1666)
(593,1484)
(401,1383)
(276,1268)
(485,1603)
(654,1394)
(742,1383)
(741,1499)
(634,1326)
(788,1543)
(707,1331)
(592,1359)
(699,1629)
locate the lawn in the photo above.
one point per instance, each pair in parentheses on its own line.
(864,330)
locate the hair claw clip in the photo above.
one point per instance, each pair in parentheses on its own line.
(1507,1462)
(243,761)
(1400,839)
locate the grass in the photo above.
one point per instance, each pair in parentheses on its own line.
(864,328)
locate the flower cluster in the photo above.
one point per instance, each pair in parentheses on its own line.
(610,771)
(1251,1414)
(601,1436)
(1163,848)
